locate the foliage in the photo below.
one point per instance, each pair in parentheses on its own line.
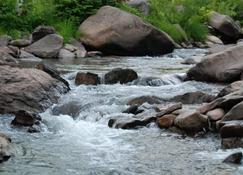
(185,20)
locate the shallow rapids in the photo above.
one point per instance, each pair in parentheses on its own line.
(87,146)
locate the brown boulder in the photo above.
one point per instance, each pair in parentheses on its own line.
(191,121)
(225,66)
(231,143)
(116,32)
(87,78)
(216,114)
(27,89)
(166,121)
(232,129)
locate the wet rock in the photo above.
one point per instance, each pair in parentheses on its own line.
(47,47)
(193,98)
(20,43)
(225,26)
(64,53)
(232,129)
(219,48)
(87,78)
(145,99)
(216,114)
(71,108)
(134,109)
(231,88)
(234,158)
(225,66)
(50,69)
(119,75)
(231,143)
(26,58)
(132,122)
(166,121)
(142,5)
(24,118)
(5,148)
(27,89)
(6,57)
(34,129)
(116,32)
(191,121)
(4,40)
(42,31)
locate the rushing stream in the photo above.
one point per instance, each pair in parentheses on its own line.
(87,146)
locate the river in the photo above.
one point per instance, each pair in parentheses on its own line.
(87,146)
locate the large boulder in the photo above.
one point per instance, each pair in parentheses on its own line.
(47,47)
(119,75)
(232,129)
(113,31)
(6,148)
(225,26)
(27,89)
(225,66)
(41,32)
(20,42)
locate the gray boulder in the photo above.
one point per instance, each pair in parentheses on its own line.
(225,66)
(47,47)
(41,32)
(20,43)
(119,75)
(225,26)
(116,32)
(27,89)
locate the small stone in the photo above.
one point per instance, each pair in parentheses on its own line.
(121,76)
(23,118)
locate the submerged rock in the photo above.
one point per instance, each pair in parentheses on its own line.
(234,158)
(119,75)
(145,99)
(116,32)
(231,143)
(5,148)
(27,89)
(71,108)
(193,98)
(87,78)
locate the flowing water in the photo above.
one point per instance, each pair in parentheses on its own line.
(86,146)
